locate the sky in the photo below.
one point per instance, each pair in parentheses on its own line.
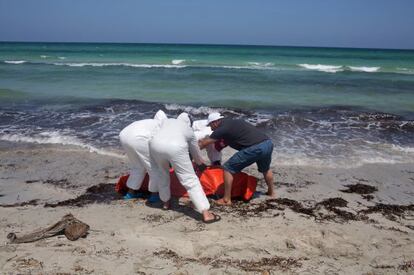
(330,23)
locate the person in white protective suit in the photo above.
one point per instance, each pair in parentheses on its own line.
(135,141)
(201,130)
(171,145)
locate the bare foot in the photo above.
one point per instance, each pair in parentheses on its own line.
(223,202)
(271,194)
(209,217)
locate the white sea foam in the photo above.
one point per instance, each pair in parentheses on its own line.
(120,64)
(335,69)
(176,64)
(322,68)
(364,69)
(53,137)
(44,56)
(61,57)
(260,64)
(15,61)
(407,150)
(178,61)
(203,110)
(295,159)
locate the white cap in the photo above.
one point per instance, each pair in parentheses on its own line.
(185,117)
(160,115)
(213,117)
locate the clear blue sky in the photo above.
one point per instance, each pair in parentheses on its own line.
(341,23)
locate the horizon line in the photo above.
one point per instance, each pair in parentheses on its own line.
(204,44)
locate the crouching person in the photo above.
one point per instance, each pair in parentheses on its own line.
(135,141)
(170,146)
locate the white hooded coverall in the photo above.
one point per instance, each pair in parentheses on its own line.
(135,140)
(171,145)
(201,130)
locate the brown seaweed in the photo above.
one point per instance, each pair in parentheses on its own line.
(262,264)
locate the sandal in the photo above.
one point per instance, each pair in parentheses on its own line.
(213,220)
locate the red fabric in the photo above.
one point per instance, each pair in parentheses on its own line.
(211,179)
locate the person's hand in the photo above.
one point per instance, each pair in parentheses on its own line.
(201,144)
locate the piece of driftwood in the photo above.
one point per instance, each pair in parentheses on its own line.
(71,227)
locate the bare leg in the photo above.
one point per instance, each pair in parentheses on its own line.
(228,182)
(268,175)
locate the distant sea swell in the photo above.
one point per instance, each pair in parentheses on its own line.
(177,64)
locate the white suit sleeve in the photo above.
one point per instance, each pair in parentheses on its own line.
(194,149)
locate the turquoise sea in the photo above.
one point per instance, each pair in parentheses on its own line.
(321,106)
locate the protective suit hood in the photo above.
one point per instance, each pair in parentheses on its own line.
(160,115)
(185,117)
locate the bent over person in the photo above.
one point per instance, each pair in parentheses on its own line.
(253,147)
(170,146)
(135,141)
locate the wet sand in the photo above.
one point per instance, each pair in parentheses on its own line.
(332,221)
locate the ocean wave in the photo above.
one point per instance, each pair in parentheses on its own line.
(177,61)
(260,64)
(44,56)
(54,137)
(15,61)
(176,64)
(403,149)
(335,68)
(202,110)
(182,63)
(322,68)
(297,159)
(119,64)
(364,69)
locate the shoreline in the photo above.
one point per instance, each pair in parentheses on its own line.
(311,226)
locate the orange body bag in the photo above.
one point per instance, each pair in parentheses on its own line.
(211,179)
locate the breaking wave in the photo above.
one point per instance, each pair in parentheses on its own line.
(322,68)
(365,69)
(335,69)
(54,137)
(119,64)
(182,63)
(177,61)
(15,61)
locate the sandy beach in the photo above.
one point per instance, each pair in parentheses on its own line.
(311,227)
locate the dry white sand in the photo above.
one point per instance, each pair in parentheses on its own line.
(281,236)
